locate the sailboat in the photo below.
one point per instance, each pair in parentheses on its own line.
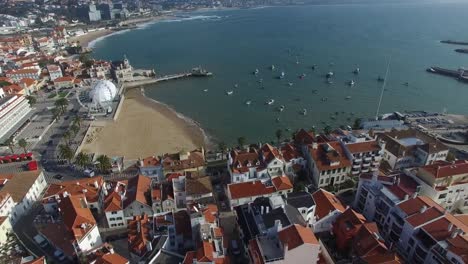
(229,92)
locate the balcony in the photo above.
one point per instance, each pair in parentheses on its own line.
(375,163)
(374,169)
(377,158)
(357,160)
(357,166)
(354,172)
(368,159)
(366,164)
(365,170)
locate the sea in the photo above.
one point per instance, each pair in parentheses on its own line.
(403,37)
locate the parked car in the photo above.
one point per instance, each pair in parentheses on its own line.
(235,247)
(58,176)
(41,241)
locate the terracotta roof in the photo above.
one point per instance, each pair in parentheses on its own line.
(198,186)
(64,79)
(137,189)
(404,185)
(6,79)
(270,153)
(111,258)
(18,184)
(156,193)
(350,219)
(2,219)
(27,81)
(189,257)
(150,161)
(173,162)
(442,169)
(164,220)
(40,260)
(76,187)
(330,155)
(12,89)
(59,235)
(439,229)
(243,160)
(459,246)
(113,202)
(53,67)
(304,137)
(325,203)
(76,216)
(395,146)
(139,234)
(463,218)
(297,235)
(23,71)
(368,241)
(414,205)
(282,183)
(173,175)
(249,189)
(210,212)
(420,218)
(360,147)
(290,152)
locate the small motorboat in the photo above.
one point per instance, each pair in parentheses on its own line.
(277,120)
(329,81)
(351,83)
(297,60)
(282,75)
(304,111)
(270,102)
(380,79)
(290,84)
(314,67)
(406,84)
(324,99)
(260,80)
(302,76)
(206,90)
(329,75)
(356,71)
(272,67)
(256,72)
(281,108)
(348,97)
(248,102)
(229,92)
(236,85)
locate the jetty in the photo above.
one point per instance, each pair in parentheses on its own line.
(195,72)
(461,50)
(454,42)
(459,74)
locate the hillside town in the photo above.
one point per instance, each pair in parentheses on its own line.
(393,190)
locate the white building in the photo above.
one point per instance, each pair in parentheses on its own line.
(17,75)
(293,160)
(304,203)
(327,209)
(411,148)
(24,189)
(13,110)
(54,72)
(5,229)
(444,182)
(328,163)
(151,167)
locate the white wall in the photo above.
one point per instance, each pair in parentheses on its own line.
(92,239)
(325,224)
(113,219)
(304,254)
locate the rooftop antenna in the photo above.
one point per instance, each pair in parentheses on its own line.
(383,88)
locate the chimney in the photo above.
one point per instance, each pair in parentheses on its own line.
(314,145)
(415,194)
(406,197)
(140,162)
(261,209)
(450,227)
(267,209)
(423,209)
(455,232)
(278,225)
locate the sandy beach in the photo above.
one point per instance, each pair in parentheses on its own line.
(144,128)
(85,39)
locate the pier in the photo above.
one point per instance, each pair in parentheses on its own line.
(461,50)
(458,74)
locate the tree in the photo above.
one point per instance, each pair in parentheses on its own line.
(67,136)
(327,130)
(61,104)
(84,58)
(82,160)
(65,152)
(222,147)
(279,135)
(357,123)
(77,120)
(75,129)
(23,144)
(31,99)
(10,143)
(55,113)
(103,163)
(241,142)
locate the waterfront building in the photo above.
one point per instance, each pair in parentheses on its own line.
(19,192)
(64,82)
(99,70)
(304,203)
(122,71)
(245,192)
(162,196)
(444,182)
(245,165)
(90,188)
(411,148)
(17,75)
(54,71)
(77,231)
(191,191)
(151,167)
(192,162)
(328,163)
(327,209)
(294,162)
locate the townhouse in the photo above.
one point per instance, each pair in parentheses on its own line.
(140,236)
(192,162)
(327,210)
(191,191)
(304,203)
(17,75)
(151,167)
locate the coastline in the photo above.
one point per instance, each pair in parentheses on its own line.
(146,127)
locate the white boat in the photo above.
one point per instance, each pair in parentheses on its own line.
(206,90)
(297,60)
(272,67)
(348,97)
(290,84)
(304,111)
(236,85)
(351,83)
(270,102)
(356,71)
(260,80)
(248,102)
(282,75)
(281,108)
(229,92)
(256,71)
(329,75)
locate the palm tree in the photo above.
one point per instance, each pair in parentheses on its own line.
(65,152)
(23,144)
(67,136)
(82,159)
(77,120)
(327,130)
(279,134)
(241,142)
(75,129)
(31,99)
(56,113)
(104,163)
(10,143)
(222,147)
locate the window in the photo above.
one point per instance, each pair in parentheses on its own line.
(119,218)
(342,177)
(327,180)
(141,206)
(114,212)
(321,181)
(442,196)
(89,237)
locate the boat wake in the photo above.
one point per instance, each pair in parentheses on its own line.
(190,18)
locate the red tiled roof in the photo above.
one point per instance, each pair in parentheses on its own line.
(328,153)
(361,147)
(368,241)
(439,229)
(297,235)
(76,187)
(442,169)
(249,189)
(418,219)
(64,79)
(304,137)
(270,153)
(282,183)
(404,185)
(40,260)
(12,89)
(22,71)
(182,223)
(326,203)
(138,234)
(459,246)
(150,161)
(27,81)
(76,216)
(137,188)
(173,162)
(243,160)
(290,152)
(414,205)
(210,213)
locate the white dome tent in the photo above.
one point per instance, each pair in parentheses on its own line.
(102,94)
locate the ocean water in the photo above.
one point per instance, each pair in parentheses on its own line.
(338,38)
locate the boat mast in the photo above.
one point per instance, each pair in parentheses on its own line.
(382,91)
